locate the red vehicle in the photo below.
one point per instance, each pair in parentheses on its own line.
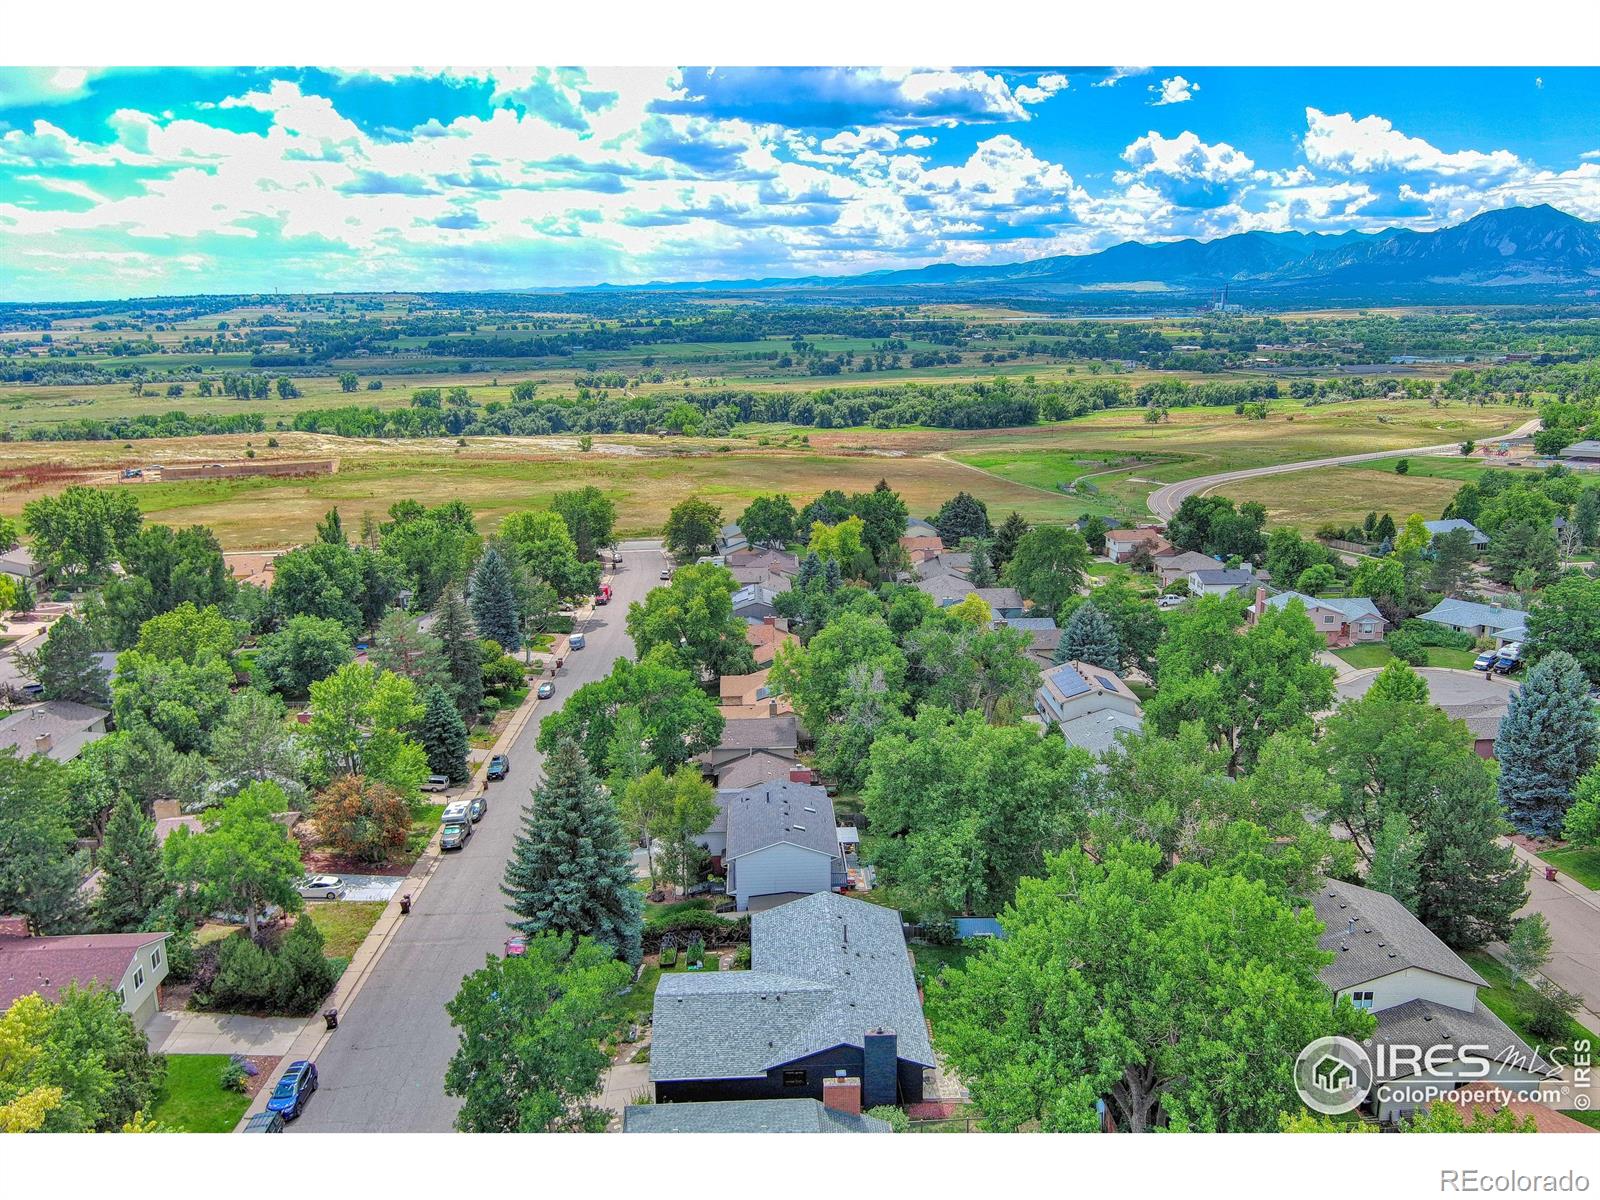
(604,595)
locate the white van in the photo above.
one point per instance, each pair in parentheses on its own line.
(457,811)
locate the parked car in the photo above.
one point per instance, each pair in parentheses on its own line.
(294,1089)
(546,690)
(436,783)
(1170,601)
(516,946)
(1485,660)
(1510,657)
(456,834)
(322,887)
(666,572)
(708,887)
(576,642)
(265,1122)
(500,765)
(477,806)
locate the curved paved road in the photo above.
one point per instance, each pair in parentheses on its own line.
(383,1069)
(1164,501)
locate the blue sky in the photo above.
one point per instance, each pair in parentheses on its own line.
(138,182)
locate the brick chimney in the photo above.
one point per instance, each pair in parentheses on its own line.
(799,774)
(842,1093)
(773,621)
(42,743)
(15,926)
(1261,602)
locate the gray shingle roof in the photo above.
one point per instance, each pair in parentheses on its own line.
(1453,523)
(70,727)
(800,1115)
(1189,560)
(1097,732)
(1352,608)
(753,769)
(759,733)
(1469,612)
(1387,938)
(953,589)
(827,969)
(1585,449)
(780,811)
(1425,1023)
(1222,577)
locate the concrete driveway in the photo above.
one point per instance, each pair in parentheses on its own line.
(383,1069)
(221,1033)
(369,887)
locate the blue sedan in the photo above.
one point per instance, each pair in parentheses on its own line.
(296,1086)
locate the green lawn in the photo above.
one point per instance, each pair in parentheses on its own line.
(932,960)
(1582,865)
(344,923)
(1508,1000)
(424,820)
(193,1100)
(1376,654)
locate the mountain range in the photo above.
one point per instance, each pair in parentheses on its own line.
(1521,253)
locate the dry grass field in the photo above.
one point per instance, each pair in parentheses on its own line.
(646,476)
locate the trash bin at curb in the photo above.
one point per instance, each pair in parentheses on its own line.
(405,904)
(1550,874)
(331,1016)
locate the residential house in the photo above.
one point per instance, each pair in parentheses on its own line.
(762,577)
(1479,701)
(779,841)
(1221,581)
(919,548)
(775,562)
(58,729)
(765,639)
(1479,539)
(1082,523)
(256,568)
(947,562)
(1088,705)
(19,563)
(917,527)
(753,602)
(761,767)
(1172,567)
(1488,1098)
(832,1114)
(1422,994)
(130,964)
(1123,544)
(948,590)
(740,739)
(1503,624)
(731,538)
(1043,634)
(830,990)
(745,689)
(1341,621)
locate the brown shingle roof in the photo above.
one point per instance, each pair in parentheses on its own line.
(48,964)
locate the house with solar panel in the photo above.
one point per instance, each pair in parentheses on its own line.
(1087,705)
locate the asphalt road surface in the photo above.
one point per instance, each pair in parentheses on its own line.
(383,1069)
(1164,501)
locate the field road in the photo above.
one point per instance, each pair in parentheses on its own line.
(1164,501)
(383,1069)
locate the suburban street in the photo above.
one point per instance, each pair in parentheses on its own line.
(1164,501)
(383,1069)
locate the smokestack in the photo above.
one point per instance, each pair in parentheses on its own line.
(880,1081)
(42,743)
(1261,601)
(842,1093)
(773,621)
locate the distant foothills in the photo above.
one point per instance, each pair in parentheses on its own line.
(1510,254)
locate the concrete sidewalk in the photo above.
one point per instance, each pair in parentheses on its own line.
(221,1033)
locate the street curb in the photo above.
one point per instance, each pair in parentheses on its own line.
(316,1034)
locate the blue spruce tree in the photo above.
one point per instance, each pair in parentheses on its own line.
(1546,742)
(494,600)
(1090,637)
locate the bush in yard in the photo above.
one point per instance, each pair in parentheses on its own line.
(363,818)
(714,930)
(1430,634)
(305,976)
(695,954)
(246,978)
(669,957)
(938,932)
(741,957)
(1407,647)
(894,1117)
(233,1076)
(1550,1010)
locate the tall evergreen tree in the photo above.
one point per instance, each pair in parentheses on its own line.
(1090,637)
(67,667)
(463,657)
(494,600)
(1547,741)
(982,573)
(331,528)
(832,576)
(1006,539)
(1469,885)
(810,571)
(133,883)
(571,871)
(443,734)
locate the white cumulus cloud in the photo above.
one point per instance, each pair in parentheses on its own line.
(1341,142)
(1173,91)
